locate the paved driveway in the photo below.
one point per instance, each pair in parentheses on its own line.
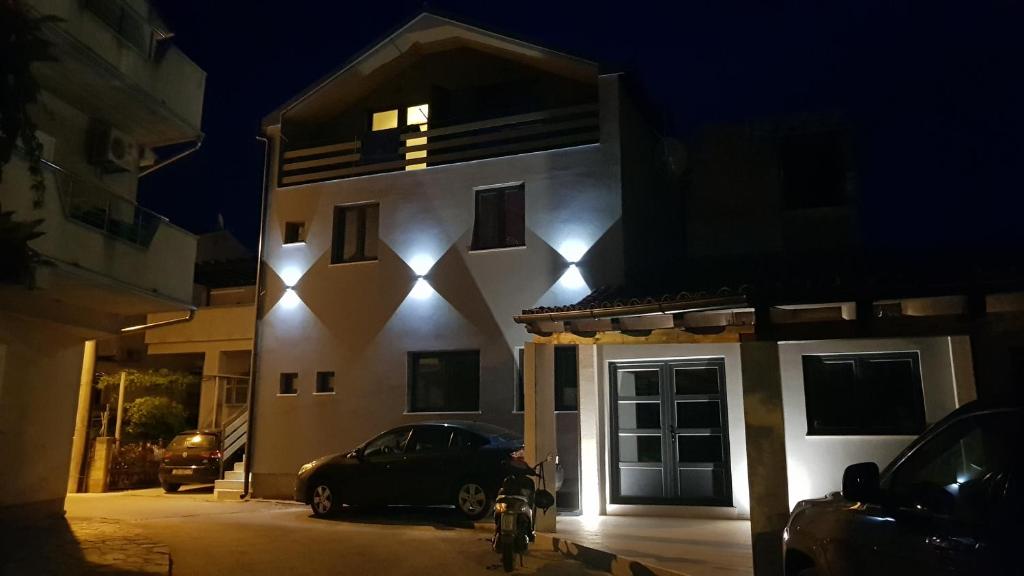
(251,538)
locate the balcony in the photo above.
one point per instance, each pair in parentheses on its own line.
(114,61)
(391,151)
(101,251)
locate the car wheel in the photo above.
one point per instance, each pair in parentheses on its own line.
(324,499)
(471,499)
(168,487)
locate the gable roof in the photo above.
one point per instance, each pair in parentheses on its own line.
(428,30)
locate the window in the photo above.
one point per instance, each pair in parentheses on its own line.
(416,118)
(812,168)
(294,232)
(236,391)
(462,440)
(325,382)
(444,381)
(288,383)
(566,380)
(355,233)
(863,394)
(391,442)
(430,439)
(500,218)
(386,120)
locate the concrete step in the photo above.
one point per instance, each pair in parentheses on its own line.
(226,494)
(234,475)
(240,466)
(227,485)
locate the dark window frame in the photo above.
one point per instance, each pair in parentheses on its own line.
(294,232)
(288,381)
(519,381)
(503,232)
(899,427)
(338,233)
(323,376)
(411,384)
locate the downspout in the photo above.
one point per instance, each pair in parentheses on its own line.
(175,158)
(253,364)
(143,327)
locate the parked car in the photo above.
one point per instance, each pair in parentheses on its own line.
(950,503)
(192,457)
(431,463)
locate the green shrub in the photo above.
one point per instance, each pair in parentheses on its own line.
(154,418)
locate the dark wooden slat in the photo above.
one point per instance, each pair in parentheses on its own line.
(480,153)
(506,135)
(495,122)
(292,166)
(340,147)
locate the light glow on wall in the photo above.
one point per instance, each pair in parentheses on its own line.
(290,275)
(421,264)
(421,290)
(290,299)
(573,250)
(572,279)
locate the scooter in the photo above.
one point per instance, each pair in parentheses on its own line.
(515,510)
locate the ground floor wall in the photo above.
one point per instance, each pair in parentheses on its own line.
(40,366)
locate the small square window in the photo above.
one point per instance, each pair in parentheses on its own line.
(288,384)
(294,232)
(500,218)
(385,120)
(325,382)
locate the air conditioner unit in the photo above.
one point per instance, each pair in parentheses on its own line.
(113,151)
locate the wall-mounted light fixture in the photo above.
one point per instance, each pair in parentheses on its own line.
(573,278)
(290,275)
(290,299)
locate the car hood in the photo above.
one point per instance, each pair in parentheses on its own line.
(829,501)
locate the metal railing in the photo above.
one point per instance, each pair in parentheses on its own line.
(93,205)
(235,435)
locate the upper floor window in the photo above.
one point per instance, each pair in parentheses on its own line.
(355,233)
(813,168)
(864,394)
(386,120)
(500,217)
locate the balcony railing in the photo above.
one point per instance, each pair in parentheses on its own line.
(532,132)
(94,206)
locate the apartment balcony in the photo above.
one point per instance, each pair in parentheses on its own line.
(105,260)
(412,148)
(116,63)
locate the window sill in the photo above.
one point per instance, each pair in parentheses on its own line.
(280,395)
(331,393)
(298,243)
(349,263)
(498,249)
(407,413)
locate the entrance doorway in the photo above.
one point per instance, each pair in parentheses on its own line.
(670,441)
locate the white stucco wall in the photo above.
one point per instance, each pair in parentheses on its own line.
(815,464)
(596,430)
(359,320)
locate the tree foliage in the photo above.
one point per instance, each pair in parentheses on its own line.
(154,418)
(17,256)
(162,382)
(21,44)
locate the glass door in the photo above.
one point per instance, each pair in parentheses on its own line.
(670,443)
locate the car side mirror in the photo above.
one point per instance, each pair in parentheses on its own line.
(860,482)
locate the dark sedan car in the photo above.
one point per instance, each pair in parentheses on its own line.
(950,503)
(432,463)
(192,457)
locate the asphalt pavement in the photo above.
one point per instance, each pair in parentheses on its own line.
(252,538)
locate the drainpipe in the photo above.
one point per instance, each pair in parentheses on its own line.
(175,158)
(253,364)
(143,327)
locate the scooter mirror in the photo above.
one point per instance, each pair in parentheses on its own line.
(544,499)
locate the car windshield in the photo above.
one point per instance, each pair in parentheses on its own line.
(184,441)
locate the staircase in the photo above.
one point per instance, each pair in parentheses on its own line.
(235,438)
(230,488)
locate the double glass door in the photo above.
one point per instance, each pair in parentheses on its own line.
(670,440)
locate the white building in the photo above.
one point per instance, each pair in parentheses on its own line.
(117,90)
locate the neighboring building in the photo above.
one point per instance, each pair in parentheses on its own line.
(419,197)
(117,90)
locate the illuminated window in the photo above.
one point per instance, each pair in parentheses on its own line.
(386,120)
(324,383)
(355,233)
(444,381)
(500,218)
(287,384)
(294,232)
(417,116)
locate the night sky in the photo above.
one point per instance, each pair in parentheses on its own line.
(935,94)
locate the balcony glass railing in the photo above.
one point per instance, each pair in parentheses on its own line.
(90,204)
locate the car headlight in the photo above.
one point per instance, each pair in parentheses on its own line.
(305,468)
(500,507)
